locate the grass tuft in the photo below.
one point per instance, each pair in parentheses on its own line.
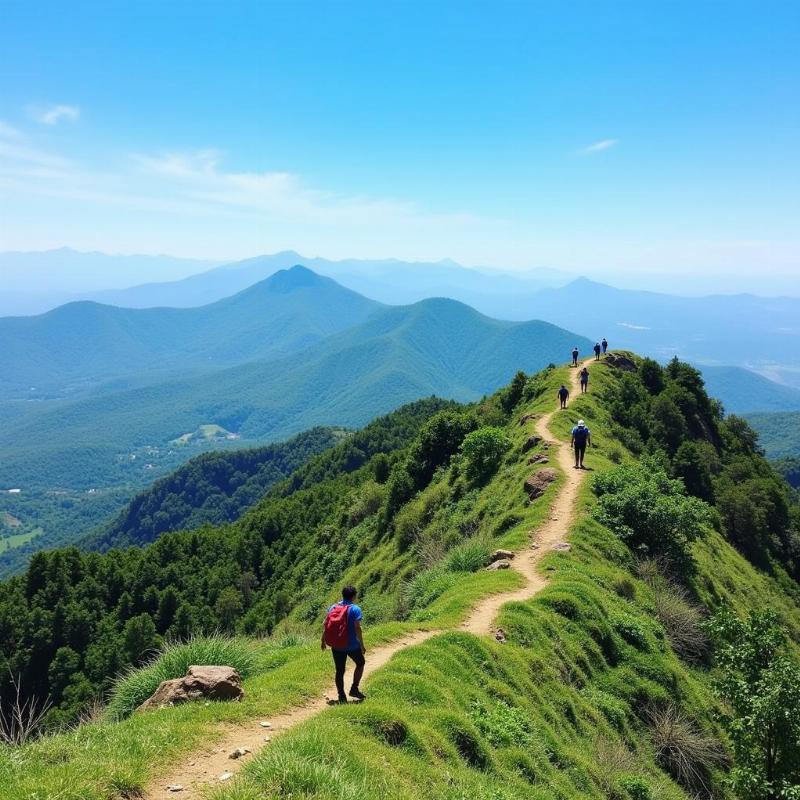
(135,686)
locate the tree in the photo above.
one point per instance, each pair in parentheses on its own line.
(381,468)
(652,376)
(139,638)
(689,465)
(761,683)
(513,394)
(483,450)
(228,607)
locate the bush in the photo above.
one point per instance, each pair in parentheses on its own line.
(469,556)
(423,589)
(634,787)
(683,750)
(483,450)
(682,621)
(650,511)
(135,686)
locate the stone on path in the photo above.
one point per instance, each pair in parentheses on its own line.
(226,776)
(239,752)
(503,563)
(501,554)
(266,724)
(175,787)
(562,547)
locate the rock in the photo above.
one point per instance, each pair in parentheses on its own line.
(226,776)
(536,484)
(239,752)
(562,547)
(501,554)
(500,635)
(541,458)
(527,418)
(530,443)
(266,724)
(212,682)
(503,563)
(175,787)
(621,362)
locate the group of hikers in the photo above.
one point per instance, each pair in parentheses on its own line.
(341,631)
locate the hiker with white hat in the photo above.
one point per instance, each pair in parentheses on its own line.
(580,438)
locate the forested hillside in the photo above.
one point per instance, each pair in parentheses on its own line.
(778,433)
(212,488)
(681,519)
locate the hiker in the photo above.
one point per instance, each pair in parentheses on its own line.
(584,380)
(563,395)
(574,356)
(580,438)
(342,633)
(597,351)
(605,345)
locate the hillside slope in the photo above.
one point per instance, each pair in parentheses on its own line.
(571,703)
(80,345)
(778,433)
(745,392)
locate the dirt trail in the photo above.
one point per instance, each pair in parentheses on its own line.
(204,767)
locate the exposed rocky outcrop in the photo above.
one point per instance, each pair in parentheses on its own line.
(208,682)
(621,362)
(536,484)
(503,563)
(498,555)
(530,443)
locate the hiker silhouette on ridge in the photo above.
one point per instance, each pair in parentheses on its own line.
(563,396)
(342,633)
(584,380)
(605,345)
(574,356)
(597,351)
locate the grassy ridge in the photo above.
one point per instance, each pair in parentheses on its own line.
(560,710)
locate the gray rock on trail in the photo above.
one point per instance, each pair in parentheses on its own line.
(501,554)
(536,484)
(503,563)
(210,682)
(239,752)
(530,443)
(541,458)
(562,547)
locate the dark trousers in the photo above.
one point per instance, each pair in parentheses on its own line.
(340,660)
(584,387)
(563,402)
(580,452)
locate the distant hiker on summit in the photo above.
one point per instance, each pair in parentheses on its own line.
(342,633)
(605,345)
(580,438)
(584,380)
(574,356)
(563,395)
(597,351)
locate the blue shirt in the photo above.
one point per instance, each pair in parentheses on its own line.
(353,615)
(580,434)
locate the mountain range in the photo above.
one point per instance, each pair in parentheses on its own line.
(292,352)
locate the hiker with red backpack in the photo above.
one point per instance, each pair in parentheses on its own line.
(342,633)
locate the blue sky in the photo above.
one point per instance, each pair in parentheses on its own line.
(596,137)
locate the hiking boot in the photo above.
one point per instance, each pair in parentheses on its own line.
(342,698)
(357,694)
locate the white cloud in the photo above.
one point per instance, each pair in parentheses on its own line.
(633,327)
(598,147)
(52,115)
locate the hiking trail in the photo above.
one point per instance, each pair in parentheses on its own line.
(202,769)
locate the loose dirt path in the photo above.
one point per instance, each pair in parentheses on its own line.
(204,767)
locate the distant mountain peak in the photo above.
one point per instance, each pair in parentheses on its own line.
(296,277)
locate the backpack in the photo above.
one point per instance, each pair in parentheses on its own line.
(337,632)
(581,434)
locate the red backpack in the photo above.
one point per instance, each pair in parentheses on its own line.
(337,633)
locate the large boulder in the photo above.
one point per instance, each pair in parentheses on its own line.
(621,362)
(536,484)
(209,682)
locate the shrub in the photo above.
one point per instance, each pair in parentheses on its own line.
(135,686)
(650,511)
(682,621)
(469,556)
(682,749)
(483,450)
(632,631)
(634,787)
